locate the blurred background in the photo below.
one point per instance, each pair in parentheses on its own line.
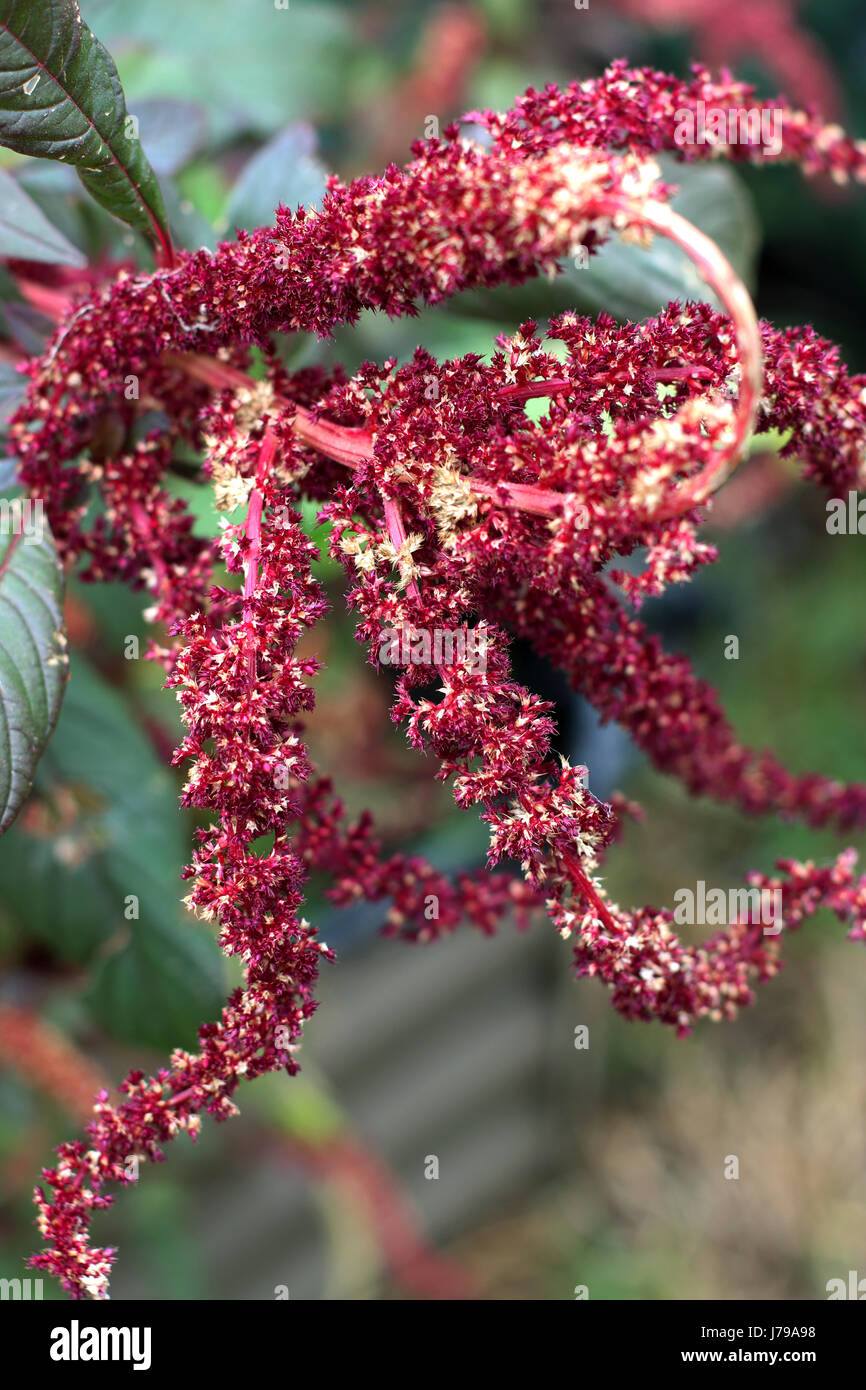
(446,1137)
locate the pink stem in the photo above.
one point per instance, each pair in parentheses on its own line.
(721,277)
(397,535)
(679,373)
(54,304)
(557,386)
(352,445)
(582,880)
(253,532)
(529,390)
(145,530)
(525,496)
(347,444)
(177,1096)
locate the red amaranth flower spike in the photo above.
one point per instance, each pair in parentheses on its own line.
(452,512)
(725,30)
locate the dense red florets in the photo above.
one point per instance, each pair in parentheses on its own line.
(455,516)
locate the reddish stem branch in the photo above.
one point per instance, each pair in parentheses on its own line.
(33,1048)
(351,445)
(581,879)
(55,304)
(397,537)
(558,386)
(253,532)
(176,1097)
(145,530)
(680,373)
(525,496)
(717,271)
(529,390)
(346,444)
(404,1250)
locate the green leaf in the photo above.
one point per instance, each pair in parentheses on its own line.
(109,843)
(159,987)
(285,171)
(26,326)
(33,663)
(57,191)
(25,232)
(13,387)
(8,287)
(307,1111)
(629,282)
(171,130)
(262,69)
(188,228)
(61,98)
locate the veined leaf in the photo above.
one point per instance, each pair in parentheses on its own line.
(25,232)
(284,171)
(61,98)
(13,387)
(95,874)
(171,130)
(631,282)
(33,663)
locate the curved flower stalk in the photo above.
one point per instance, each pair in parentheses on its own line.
(452,513)
(239,684)
(639,108)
